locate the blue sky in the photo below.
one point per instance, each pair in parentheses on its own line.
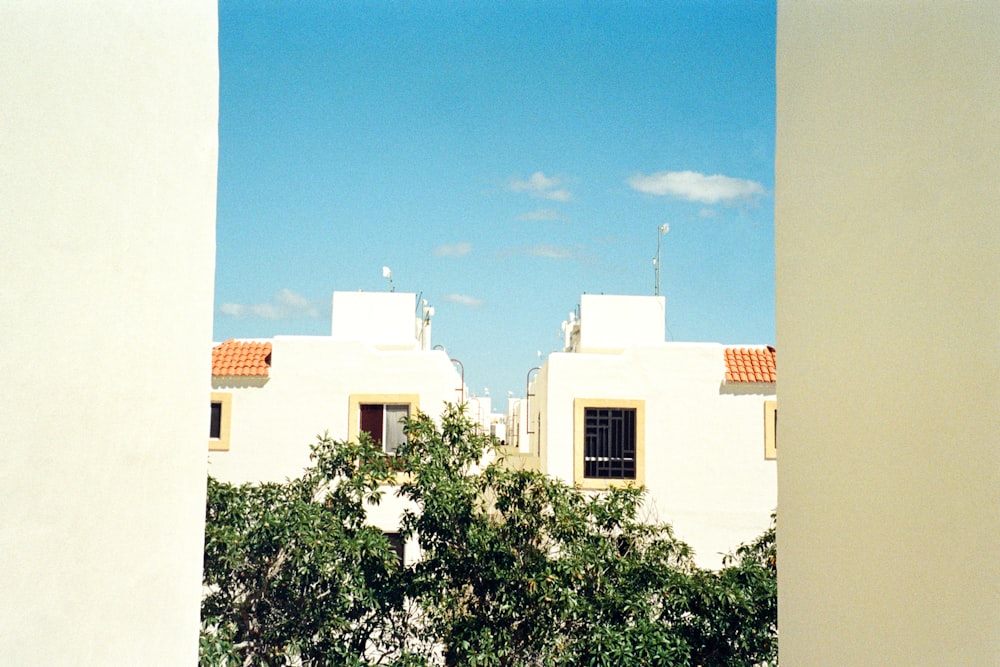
(502,158)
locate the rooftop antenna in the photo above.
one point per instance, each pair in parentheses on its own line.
(426,313)
(387,273)
(660,231)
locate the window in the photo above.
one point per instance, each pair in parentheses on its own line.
(215,429)
(381,416)
(770,430)
(609,443)
(384,423)
(218,429)
(398,545)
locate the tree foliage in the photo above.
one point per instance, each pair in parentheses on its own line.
(516,568)
(293,569)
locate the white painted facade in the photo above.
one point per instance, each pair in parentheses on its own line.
(516,427)
(479,409)
(387,320)
(108,161)
(618,322)
(704,438)
(312,380)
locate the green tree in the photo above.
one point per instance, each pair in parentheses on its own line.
(292,570)
(519,568)
(516,568)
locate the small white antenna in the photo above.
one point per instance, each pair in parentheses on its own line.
(387,273)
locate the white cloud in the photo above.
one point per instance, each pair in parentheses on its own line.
(453,249)
(557,195)
(285,304)
(541,215)
(235,309)
(290,299)
(540,186)
(536,182)
(692,186)
(464,300)
(544,250)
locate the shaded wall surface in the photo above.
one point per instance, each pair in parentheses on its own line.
(888,323)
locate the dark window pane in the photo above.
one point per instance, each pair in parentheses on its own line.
(371,421)
(397,544)
(215,430)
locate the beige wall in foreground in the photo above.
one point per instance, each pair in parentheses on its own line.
(888,322)
(108,151)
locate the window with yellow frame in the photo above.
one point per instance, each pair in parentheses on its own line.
(218,430)
(770,430)
(381,416)
(609,442)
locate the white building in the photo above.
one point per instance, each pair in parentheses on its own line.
(108,162)
(271,399)
(691,421)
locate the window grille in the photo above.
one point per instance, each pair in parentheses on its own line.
(609,443)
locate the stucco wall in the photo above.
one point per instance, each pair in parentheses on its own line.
(888,321)
(705,467)
(108,151)
(616,321)
(380,318)
(308,392)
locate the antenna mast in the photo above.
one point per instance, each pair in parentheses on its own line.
(660,231)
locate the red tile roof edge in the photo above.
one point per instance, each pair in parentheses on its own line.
(235,358)
(751,364)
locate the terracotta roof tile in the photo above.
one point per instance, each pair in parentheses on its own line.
(241,359)
(751,364)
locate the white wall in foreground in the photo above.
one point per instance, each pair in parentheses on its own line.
(108,151)
(888,323)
